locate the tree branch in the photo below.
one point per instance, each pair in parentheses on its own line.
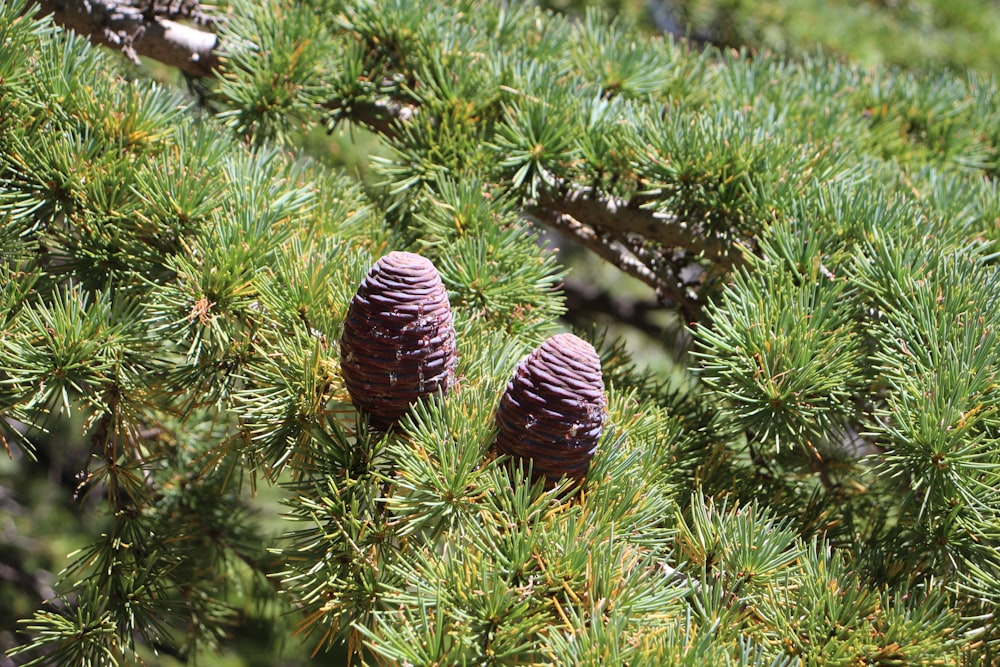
(655,247)
(137,32)
(664,252)
(606,248)
(611,213)
(382,117)
(615,214)
(674,282)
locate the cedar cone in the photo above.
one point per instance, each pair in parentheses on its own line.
(553,409)
(399,340)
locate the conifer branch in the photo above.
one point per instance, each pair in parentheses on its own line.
(635,239)
(618,240)
(141,32)
(627,217)
(382,116)
(616,214)
(610,249)
(823,452)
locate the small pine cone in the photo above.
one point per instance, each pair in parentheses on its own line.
(553,409)
(399,340)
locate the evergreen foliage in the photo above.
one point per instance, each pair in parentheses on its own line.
(176,274)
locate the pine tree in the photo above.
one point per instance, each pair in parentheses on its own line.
(216,311)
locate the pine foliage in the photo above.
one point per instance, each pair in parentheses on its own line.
(176,273)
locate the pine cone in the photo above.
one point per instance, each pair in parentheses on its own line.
(553,409)
(399,340)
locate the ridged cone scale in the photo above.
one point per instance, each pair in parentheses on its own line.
(398,343)
(552,411)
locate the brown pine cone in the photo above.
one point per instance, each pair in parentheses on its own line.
(398,343)
(552,411)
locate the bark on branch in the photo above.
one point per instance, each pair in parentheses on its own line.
(658,249)
(139,32)
(619,216)
(666,253)
(632,257)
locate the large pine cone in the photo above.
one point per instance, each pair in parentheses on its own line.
(399,340)
(552,411)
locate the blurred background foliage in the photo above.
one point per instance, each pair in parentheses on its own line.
(955,34)
(918,35)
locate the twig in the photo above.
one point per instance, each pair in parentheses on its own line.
(668,288)
(136,33)
(615,214)
(383,117)
(607,248)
